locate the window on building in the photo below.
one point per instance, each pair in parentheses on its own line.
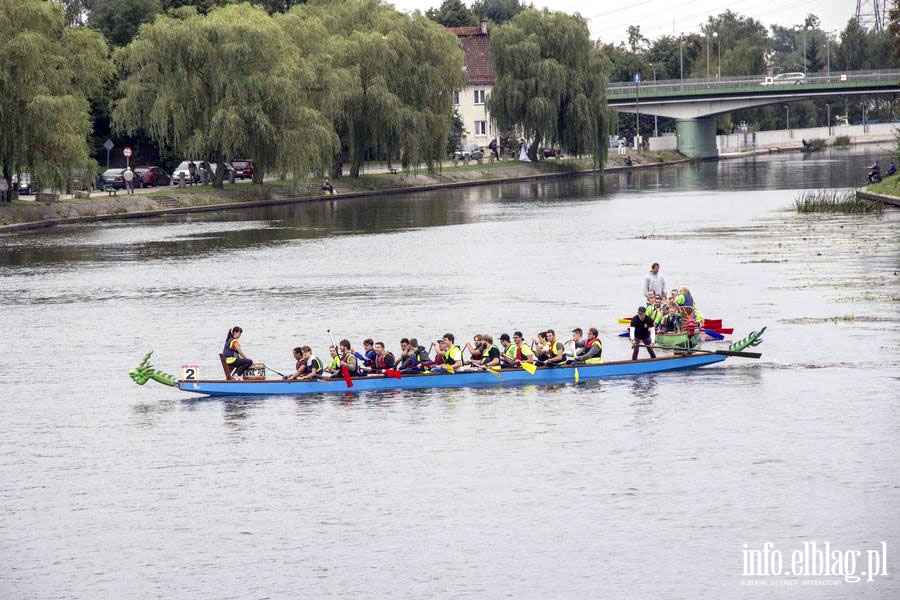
(480,127)
(456,98)
(479,96)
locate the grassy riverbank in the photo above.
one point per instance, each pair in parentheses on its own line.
(834,201)
(889,186)
(28,211)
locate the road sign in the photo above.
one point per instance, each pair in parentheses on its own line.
(637,77)
(108,144)
(127,152)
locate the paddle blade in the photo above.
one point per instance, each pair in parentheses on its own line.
(449,368)
(576,375)
(713,334)
(392,373)
(529,367)
(346,373)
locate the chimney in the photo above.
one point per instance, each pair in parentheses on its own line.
(483,27)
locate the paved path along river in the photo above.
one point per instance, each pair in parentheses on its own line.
(646,487)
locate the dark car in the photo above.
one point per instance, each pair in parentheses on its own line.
(243,168)
(468,152)
(552,153)
(114,178)
(152,176)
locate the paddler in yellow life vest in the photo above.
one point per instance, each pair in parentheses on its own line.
(334,365)
(299,367)
(556,351)
(234,355)
(314,366)
(490,353)
(451,353)
(508,353)
(521,352)
(593,349)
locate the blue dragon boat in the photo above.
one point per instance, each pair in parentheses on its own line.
(569,374)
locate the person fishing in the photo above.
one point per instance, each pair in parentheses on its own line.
(234,355)
(640,333)
(875,173)
(328,188)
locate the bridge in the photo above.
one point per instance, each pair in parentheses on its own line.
(694,103)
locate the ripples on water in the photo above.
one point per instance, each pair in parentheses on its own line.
(646,487)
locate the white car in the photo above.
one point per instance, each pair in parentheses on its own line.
(786,79)
(183,168)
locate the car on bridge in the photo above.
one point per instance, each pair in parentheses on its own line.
(785,79)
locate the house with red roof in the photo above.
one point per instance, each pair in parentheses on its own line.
(480,77)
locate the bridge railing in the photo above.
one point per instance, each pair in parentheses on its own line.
(668,86)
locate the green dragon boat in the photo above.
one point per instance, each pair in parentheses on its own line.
(678,340)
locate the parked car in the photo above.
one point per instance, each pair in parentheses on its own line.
(24,185)
(615,141)
(243,168)
(152,176)
(202,166)
(786,79)
(212,170)
(468,152)
(114,178)
(552,153)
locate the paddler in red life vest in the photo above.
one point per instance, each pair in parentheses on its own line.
(451,353)
(234,355)
(314,366)
(556,350)
(592,353)
(383,359)
(348,358)
(299,367)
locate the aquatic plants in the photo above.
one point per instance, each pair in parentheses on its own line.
(834,201)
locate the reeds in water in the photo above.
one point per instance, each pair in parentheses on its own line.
(834,201)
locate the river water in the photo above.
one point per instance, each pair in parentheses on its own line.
(645,487)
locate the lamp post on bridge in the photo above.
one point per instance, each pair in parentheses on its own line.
(707,59)
(655,117)
(719,51)
(681,59)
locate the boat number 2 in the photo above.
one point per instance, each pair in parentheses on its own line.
(190,372)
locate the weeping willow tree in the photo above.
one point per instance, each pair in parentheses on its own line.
(384,78)
(221,85)
(48,73)
(551,83)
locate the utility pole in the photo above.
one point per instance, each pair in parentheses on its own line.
(719,50)
(681,59)
(655,117)
(637,110)
(707,59)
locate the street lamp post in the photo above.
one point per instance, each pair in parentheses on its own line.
(707,59)
(807,28)
(787,113)
(681,59)
(719,52)
(655,117)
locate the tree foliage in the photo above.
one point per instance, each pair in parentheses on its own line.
(227,84)
(119,20)
(498,11)
(551,83)
(452,13)
(48,73)
(384,78)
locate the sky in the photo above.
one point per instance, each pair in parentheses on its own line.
(609,21)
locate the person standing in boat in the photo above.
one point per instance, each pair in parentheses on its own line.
(234,355)
(640,333)
(654,281)
(684,297)
(299,366)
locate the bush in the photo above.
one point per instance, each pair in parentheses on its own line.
(841,140)
(834,201)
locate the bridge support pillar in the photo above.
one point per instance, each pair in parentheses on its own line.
(697,137)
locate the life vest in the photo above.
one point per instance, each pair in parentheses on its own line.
(556,349)
(448,355)
(380,362)
(299,364)
(669,322)
(593,342)
(512,351)
(230,353)
(352,363)
(314,362)
(335,363)
(486,355)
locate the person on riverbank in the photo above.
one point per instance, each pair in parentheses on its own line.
(234,354)
(493,148)
(640,333)
(875,173)
(892,169)
(628,162)
(128,176)
(192,173)
(327,188)
(4,188)
(654,281)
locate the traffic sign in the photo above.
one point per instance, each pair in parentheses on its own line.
(108,144)
(127,152)
(637,77)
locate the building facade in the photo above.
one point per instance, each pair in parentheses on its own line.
(471,101)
